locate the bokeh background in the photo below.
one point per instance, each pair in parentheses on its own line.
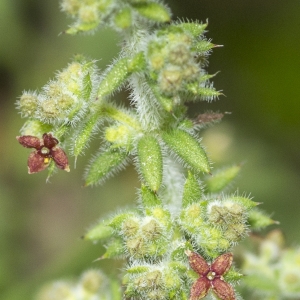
(41,224)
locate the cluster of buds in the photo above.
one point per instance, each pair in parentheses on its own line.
(274,272)
(134,234)
(92,285)
(175,57)
(214,225)
(120,15)
(63,100)
(165,280)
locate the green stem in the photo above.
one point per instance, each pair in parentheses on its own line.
(120,116)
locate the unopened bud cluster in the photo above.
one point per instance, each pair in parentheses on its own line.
(175,59)
(63,100)
(121,15)
(275,267)
(92,285)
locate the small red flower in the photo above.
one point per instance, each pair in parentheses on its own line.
(46,149)
(211,276)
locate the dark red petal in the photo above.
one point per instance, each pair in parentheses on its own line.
(29,141)
(60,158)
(200,288)
(49,140)
(222,263)
(37,163)
(223,290)
(197,263)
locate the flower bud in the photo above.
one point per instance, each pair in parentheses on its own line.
(119,135)
(136,246)
(35,128)
(179,54)
(130,227)
(151,230)
(92,280)
(170,79)
(27,104)
(123,18)
(88,14)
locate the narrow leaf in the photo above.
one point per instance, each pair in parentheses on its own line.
(150,161)
(114,249)
(149,198)
(204,92)
(196,29)
(114,77)
(99,232)
(258,220)
(188,149)
(85,131)
(221,179)
(192,191)
(153,11)
(104,165)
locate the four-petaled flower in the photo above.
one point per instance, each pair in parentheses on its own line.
(211,276)
(45,150)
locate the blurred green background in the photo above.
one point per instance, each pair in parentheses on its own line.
(41,224)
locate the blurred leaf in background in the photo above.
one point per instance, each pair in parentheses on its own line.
(41,224)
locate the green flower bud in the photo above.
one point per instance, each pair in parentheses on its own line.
(49,110)
(59,290)
(156,61)
(119,135)
(123,18)
(179,54)
(88,14)
(162,216)
(170,79)
(235,232)
(70,6)
(151,230)
(136,246)
(92,280)
(35,128)
(130,227)
(27,104)
(65,102)
(172,280)
(191,218)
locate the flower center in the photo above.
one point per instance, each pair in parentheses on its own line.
(211,275)
(45,151)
